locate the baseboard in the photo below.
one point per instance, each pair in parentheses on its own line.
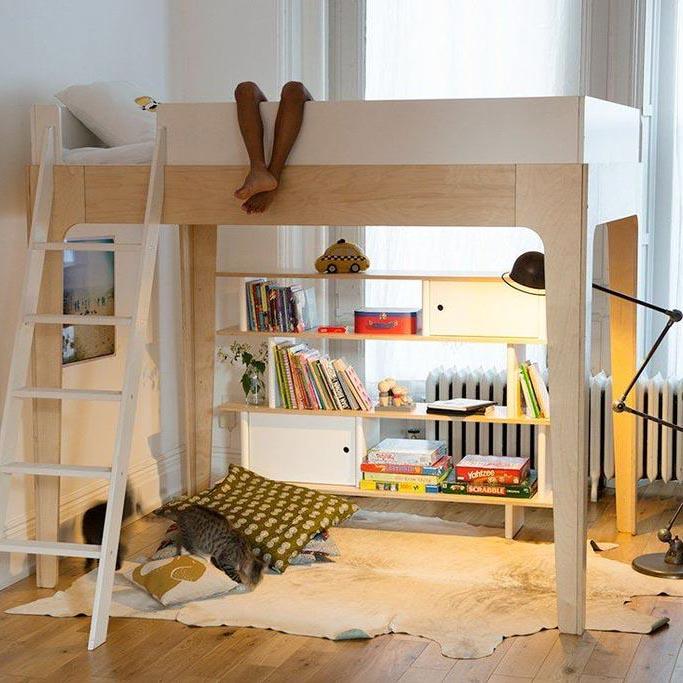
(152,481)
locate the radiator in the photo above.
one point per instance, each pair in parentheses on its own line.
(659,451)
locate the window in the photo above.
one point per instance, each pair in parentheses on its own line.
(454,49)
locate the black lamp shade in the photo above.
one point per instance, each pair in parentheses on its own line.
(528,273)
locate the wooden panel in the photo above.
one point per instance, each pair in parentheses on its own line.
(68,208)
(349,195)
(466,131)
(353,336)
(622,240)
(550,200)
(611,132)
(198,284)
(115,194)
(308,449)
(499,415)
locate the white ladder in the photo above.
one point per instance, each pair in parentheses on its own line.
(117,474)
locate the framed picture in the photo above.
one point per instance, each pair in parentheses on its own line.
(88,290)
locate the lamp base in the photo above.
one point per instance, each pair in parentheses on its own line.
(653,564)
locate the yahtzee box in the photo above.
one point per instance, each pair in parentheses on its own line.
(492,469)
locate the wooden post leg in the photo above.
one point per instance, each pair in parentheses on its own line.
(68,209)
(622,237)
(514,520)
(552,200)
(198,286)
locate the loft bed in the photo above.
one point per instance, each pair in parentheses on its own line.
(561,166)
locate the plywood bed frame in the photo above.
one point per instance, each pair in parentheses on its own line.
(561,166)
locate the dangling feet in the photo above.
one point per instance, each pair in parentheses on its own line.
(258,203)
(257,181)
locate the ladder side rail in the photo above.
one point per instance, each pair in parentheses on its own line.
(119,474)
(23,339)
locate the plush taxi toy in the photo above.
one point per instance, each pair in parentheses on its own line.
(342,257)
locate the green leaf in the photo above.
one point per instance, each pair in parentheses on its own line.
(247,358)
(246,383)
(259,366)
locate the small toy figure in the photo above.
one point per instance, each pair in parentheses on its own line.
(146,103)
(342,257)
(393,395)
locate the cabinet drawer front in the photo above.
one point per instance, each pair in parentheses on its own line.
(315,450)
(485,309)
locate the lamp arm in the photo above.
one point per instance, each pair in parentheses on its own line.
(673,519)
(674,316)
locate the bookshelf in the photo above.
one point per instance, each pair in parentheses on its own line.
(452,305)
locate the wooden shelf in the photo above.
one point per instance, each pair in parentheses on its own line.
(500,415)
(353,336)
(366,275)
(536,502)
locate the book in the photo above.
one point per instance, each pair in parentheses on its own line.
(399,487)
(492,469)
(540,389)
(460,406)
(526,489)
(407,451)
(437,469)
(389,477)
(272,307)
(528,392)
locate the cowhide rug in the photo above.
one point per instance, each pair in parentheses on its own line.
(453,585)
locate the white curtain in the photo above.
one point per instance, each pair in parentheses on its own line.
(431,49)
(675,360)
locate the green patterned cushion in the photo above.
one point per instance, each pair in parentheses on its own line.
(279,519)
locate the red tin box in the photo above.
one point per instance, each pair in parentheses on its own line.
(387,321)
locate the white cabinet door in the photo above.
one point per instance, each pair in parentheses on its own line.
(315,450)
(484,309)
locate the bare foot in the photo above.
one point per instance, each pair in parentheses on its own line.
(259,202)
(257,181)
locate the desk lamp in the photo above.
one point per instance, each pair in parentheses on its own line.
(528,275)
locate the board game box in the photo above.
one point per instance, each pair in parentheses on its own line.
(492,469)
(526,489)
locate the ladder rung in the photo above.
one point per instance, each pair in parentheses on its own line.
(68,394)
(49,548)
(48,318)
(56,470)
(86,246)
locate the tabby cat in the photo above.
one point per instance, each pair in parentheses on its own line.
(207,532)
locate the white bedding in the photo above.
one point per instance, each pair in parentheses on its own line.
(138,153)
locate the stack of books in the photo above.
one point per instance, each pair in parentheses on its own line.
(280,308)
(309,380)
(491,475)
(406,466)
(534,390)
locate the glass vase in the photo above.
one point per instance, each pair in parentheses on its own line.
(256,394)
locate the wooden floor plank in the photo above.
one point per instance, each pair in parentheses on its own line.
(567,658)
(527,654)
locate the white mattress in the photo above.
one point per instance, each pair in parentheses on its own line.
(139,153)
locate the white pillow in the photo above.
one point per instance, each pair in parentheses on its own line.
(181,579)
(140,153)
(108,109)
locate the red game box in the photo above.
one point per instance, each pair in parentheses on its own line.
(387,321)
(491,469)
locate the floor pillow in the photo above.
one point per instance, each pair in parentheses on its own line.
(180,579)
(278,519)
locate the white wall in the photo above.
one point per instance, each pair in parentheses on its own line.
(215,45)
(45,46)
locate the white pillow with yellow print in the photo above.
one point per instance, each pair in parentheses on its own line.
(181,579)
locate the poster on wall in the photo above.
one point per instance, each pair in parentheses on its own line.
(88,290)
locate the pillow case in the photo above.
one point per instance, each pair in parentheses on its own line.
(180,579)
(108,109)
(278,519)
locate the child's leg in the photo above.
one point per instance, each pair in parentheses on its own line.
(248,97)
(290,115)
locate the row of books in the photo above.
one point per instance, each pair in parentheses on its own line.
(310,380)
(280,308)
(534,390)
(422,466)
